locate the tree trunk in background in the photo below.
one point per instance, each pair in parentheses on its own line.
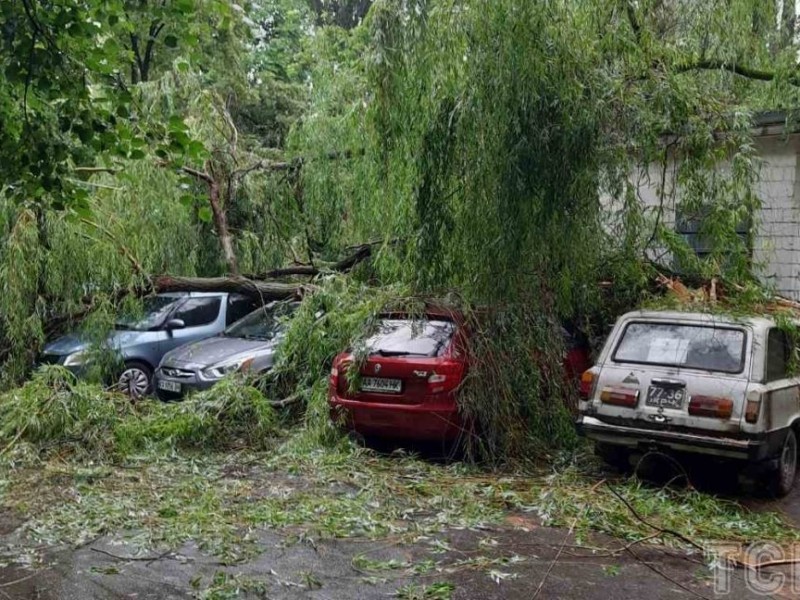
(345,13)
(221,225)
(787,22)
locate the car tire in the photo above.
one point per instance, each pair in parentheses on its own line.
(781,479)
(614,456)
(135,380)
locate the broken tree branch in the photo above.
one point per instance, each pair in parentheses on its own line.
(293,399)
(639,517)
(711,64)
(361,253)
(266,290)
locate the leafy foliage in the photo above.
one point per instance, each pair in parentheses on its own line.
(55,411)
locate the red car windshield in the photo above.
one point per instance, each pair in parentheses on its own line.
(417,337)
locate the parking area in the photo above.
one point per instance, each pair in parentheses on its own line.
(377,527)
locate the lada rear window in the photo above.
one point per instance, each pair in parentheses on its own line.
(704,347)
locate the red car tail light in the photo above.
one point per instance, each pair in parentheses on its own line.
(337,370)
(620,396)
(334,377)
(446,377)
(717,407)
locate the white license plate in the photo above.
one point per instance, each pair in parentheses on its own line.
(664,397)
(381,384)
(169,386)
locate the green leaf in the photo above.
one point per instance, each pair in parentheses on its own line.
(196,149)
(171,41)
(204,214)
(176,123)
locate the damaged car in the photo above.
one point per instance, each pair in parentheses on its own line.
(697,383)
(406,386)
(249,345)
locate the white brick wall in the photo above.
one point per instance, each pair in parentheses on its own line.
(776,251)
(777,244)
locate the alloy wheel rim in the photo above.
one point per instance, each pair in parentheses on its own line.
(134,382)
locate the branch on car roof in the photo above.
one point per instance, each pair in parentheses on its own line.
(265,290)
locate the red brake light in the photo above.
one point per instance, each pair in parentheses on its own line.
(711,406)
(620,396)
(334,377)
(445,377)
(339,363)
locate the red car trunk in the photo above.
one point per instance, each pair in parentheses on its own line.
(407,385)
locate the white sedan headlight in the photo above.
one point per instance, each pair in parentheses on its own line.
(77,359)
(220,370)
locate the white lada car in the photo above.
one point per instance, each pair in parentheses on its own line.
(698,383)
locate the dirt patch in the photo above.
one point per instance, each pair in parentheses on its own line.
(10,520)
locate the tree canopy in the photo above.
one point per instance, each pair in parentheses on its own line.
(483,149)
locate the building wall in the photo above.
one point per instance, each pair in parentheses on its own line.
(776,248)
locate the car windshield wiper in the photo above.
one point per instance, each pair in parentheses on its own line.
(251,336)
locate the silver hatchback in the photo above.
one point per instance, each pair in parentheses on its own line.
(249,345)
(697,383)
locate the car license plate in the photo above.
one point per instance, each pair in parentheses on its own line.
(665,397)
(381,385)
(169,386)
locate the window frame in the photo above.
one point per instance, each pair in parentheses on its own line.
(742,358)
(787,352)
(177,309)
(232,299)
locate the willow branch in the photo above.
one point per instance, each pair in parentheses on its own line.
(711,64)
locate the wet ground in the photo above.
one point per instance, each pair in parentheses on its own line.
(519,561)
(516,560)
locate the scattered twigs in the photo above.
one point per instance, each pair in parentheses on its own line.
(18,581)
(735,561)
(293,399)
(555,559)
(147,559)
(665,576)
(641,519)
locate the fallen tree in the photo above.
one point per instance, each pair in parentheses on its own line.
(267,287)
(265,290)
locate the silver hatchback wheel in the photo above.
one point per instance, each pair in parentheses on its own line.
(134,381)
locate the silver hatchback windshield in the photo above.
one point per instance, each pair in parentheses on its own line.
(704,347)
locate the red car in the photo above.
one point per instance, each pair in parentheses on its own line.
(408,384)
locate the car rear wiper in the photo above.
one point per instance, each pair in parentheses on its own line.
(398,353)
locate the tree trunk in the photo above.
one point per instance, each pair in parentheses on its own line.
(221,224)
(267,291)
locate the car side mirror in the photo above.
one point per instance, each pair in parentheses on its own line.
(174,324)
